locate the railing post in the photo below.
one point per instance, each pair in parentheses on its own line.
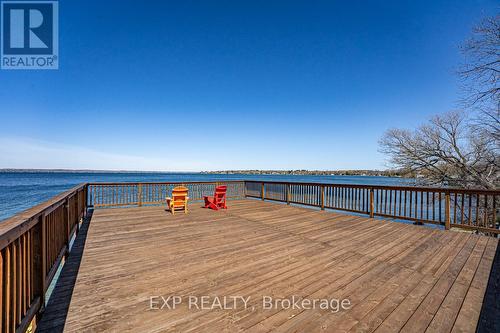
(322,197)
(244,189)
(288,193)
(262,192)
(85,201)
(139,195)
(66,224)
(372,203)
(447,220)
(39,260)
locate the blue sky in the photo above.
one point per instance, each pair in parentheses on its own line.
(210,85)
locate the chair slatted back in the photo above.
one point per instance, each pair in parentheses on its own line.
(220,195)
(179,196)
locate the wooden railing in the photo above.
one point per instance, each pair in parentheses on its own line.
(33,243)
(468,209)
(32,246)
(138,194)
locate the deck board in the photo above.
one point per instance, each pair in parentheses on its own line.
(398,277)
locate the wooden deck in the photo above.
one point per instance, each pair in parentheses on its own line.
(398,277)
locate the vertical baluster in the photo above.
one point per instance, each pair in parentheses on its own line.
(335,197)
(7,282)
(385,201)
(400,195)
(2,292)
(434,206)
(462,209)
(421,205)
(322,197)
(338,199)
(485,219)
(313,198)
(372,205)
(341,197)
(411,200)
(470,210)
(23,269)
(405,192)
(344,198)
(415,208)
(32,262)
(288,189)
(363,200)
(13,276)
(494,210)
(366,201)
(440,210)
(353,198)
(427,204)
(29,261)
(348,198)
(447,211)
(357,199)
(455,200)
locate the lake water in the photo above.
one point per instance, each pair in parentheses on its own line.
(22,190)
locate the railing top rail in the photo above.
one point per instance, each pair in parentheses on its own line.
(386,187)
(166,183)
(13,227)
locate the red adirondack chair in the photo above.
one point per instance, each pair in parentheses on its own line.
(218,200)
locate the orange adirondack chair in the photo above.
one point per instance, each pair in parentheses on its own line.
(179,199)
(218,200)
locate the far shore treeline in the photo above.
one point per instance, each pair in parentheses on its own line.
(383,173)
(301,172)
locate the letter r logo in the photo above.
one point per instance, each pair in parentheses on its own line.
(17,27)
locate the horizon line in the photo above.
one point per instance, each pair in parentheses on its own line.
(173,172)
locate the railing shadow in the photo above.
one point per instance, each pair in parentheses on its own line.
(490,310)
(56,311)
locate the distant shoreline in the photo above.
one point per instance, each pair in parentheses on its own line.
(380,173)
(86,171)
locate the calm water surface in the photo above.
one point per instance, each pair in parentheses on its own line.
(21,190)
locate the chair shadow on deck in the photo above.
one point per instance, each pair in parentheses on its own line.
(490,310)
(56,311)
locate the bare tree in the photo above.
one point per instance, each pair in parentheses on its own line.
(460,148)
(481,70)
(480,76)
(446,151)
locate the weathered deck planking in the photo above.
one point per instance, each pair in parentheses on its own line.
(398,277)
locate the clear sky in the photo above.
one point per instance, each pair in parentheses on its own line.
(210,85)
